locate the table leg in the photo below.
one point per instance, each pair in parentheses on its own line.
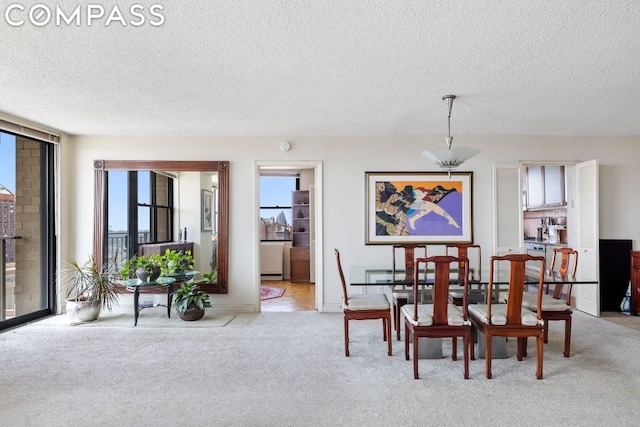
(169,298)
(136,308)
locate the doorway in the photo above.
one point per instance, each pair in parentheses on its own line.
(287,251)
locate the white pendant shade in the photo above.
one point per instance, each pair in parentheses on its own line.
(450,158)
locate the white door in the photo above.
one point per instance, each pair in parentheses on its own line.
(507,209)
(587,234)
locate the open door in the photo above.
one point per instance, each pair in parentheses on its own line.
(507,209)
(587,234)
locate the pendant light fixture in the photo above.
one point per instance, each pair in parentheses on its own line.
(451,157)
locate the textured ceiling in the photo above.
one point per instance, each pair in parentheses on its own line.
(329,67)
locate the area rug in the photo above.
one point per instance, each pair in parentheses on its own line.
(152,317)
(269,292)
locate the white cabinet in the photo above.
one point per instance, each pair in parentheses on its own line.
(554,186)
(545,186)
(535,184)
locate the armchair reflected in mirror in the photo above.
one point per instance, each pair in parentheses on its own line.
(151,219)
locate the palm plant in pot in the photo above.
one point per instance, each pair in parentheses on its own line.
(88,289)
(190,302)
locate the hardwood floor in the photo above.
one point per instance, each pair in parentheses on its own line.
(297,297)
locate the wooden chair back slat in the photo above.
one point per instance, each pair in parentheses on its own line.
(442,279)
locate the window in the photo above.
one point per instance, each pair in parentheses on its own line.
(139,210)
(275,206)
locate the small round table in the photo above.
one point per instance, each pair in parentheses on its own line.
(135,285)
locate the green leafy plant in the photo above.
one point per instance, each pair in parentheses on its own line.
(89,283)
(211,277)
(149,263)
(177,262)
(189,295)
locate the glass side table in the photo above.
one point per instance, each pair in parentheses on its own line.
(135,285)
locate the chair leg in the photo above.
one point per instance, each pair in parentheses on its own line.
(346,336)
(396,320)
(472,343)
(415,357)
(539,356)
(384,328)
(389,341)
(406,341)
(546,330)
(465,352)
(397,314)
(454,348)
(487,354)
(521,345)
(567,336)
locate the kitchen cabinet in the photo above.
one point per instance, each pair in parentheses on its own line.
(545,186)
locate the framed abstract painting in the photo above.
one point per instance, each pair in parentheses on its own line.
(418,207)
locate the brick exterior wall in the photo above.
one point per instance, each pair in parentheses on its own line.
(28,287)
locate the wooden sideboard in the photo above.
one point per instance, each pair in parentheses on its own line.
(160,248)
(635,283)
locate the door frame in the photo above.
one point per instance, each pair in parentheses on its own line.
(316,165)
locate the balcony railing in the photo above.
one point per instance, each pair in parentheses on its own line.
(117,245)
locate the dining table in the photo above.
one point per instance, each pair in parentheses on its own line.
(397,280)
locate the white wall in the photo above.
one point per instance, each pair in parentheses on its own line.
(345,160)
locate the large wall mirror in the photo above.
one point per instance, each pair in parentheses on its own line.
(206,195)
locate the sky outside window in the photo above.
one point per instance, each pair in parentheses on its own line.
(276,191)
(8,161)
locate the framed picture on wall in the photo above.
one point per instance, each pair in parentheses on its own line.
(418,207)
(207,210)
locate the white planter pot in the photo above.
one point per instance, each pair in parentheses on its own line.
(82,311)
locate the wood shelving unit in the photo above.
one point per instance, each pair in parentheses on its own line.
(300,236)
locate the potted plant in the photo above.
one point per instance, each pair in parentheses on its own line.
(190,302)
(146,267)
(177,262)
(88,289)
(211,277)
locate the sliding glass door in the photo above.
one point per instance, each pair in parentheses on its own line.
(27,237)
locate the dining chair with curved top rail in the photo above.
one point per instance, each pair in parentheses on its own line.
(401,297)
(557,306)
(364,307)
(440,319)
(510,319)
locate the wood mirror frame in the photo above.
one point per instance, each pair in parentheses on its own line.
(222,169)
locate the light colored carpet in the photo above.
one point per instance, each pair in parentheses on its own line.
(289,369)
(626,320)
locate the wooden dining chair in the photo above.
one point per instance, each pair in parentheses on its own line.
(472,252)
(401,297)
(557,306)
(440,319)
(496,319)
(364,307)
